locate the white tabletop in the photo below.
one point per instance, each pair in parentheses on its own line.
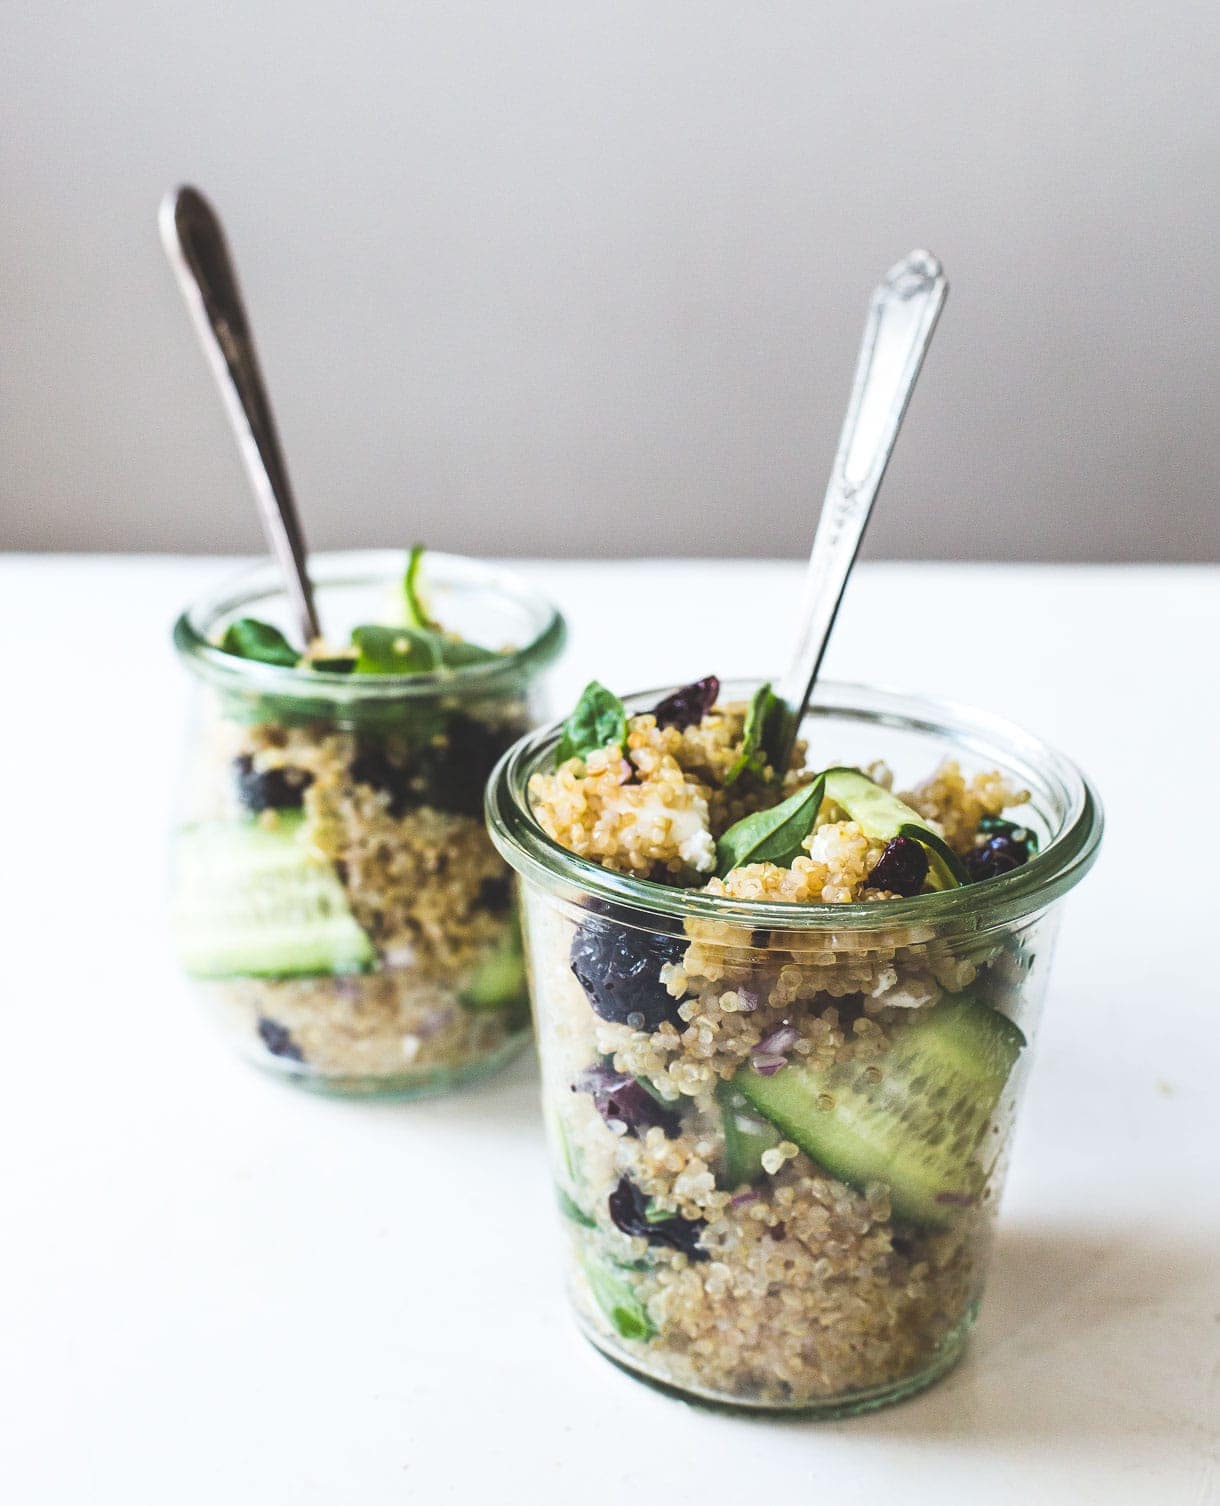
(219,1289)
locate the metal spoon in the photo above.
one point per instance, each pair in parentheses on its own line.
(902,314)
(194,241)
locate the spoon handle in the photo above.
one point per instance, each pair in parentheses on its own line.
(195,243)
(901,317)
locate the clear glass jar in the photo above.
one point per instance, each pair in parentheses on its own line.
(815,1238)
(335,895)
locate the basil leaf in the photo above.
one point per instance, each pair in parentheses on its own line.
(341,666)
(759,719)
(617,1298)
(571,1209)
(771,836)
(417,613)
(456,652)
(598,720)
(395,651)
(250,639)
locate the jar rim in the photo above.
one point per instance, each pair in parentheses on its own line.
(367,567)
(1059,866)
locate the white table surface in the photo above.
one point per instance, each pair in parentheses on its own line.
(219,1289)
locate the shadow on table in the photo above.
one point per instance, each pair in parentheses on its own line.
(1086,1337)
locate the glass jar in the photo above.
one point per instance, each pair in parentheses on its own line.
(336,899)
(778,1176)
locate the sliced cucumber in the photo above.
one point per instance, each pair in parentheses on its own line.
(882,816)
(746,1136)
(918,1127)
(499,981)
(254,900)
(616,1297)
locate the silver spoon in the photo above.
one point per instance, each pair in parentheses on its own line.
(902,314)
(194,241)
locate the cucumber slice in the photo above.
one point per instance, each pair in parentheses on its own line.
(419,610)
(616,1297)
(260,901)
(499,981)
(918,1128)
(746,1136)
(882,816)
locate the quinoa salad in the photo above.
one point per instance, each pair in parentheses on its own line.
(336,897)
(777,1151)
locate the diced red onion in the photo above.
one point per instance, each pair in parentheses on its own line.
(742,1199)
(600,1080)
(767,1064)
(621,1100)
(779,1041)
(435,1020)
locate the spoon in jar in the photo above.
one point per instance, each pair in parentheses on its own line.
(194,242)
(902,314)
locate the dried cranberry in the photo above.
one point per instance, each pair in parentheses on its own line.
(901,868)
(278,1041)
(688,706)
(629,1212)
(373,766)
(616,1096)
(448,773)
(269,789)
(495,895)
(999,854)
(454,768)
(993,826)
(620,971)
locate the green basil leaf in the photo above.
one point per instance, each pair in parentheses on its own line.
(455,653)
(417,612)
(341,666)
(571,1209)
(598,720)
(771,836)
(617,1298)
(759,718)
(250,639)
(395,650)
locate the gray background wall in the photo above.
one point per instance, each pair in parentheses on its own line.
(589,279)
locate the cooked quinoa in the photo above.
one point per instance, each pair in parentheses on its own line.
(796,1286)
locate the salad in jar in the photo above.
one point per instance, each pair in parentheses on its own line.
(784,1014)
(336,899)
